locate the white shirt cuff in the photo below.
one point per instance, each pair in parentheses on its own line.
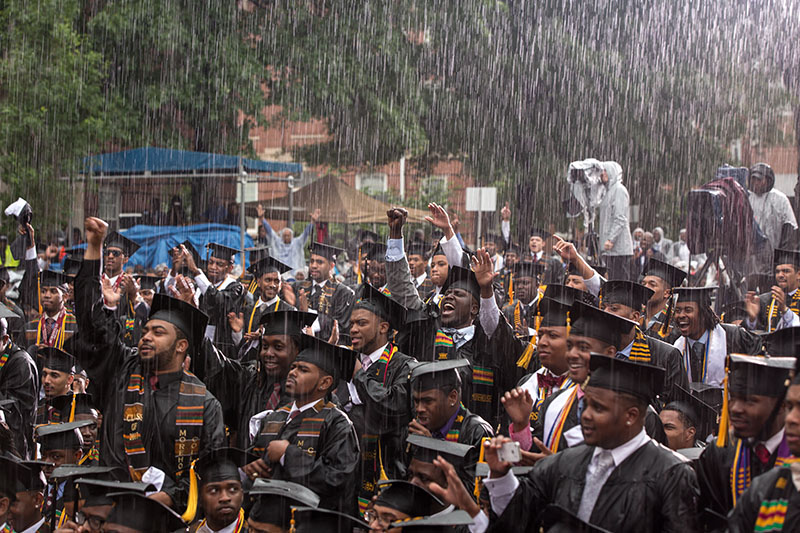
(480,523)
(353,393)
(505,229)
(501,490)
(30,254)
(202,282)
(452,250)
(751,324)
(593,284)
(395,250)
(237,336)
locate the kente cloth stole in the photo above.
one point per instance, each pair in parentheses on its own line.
(310,427)
(189,421)
(483,384)
(326,298)
(91,455)
(640,351)
(7,529)
(543,394)
(455,431)
(793,305)
(442,345)
(56,337)
(4,360)
(772,512)
(740,474)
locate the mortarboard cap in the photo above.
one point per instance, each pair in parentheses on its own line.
(623,292)
(192,250)
(408,498)
(32,478)
(267,265)
(709,394)
(563,294)
(785,257)
(56,359)
(290,323)
(426,449)
(12,475)
(72,266)
(557,519)
(700,414)
(142,514)
(187,318)
(222,464)
(148,283)
(528,270)
(274,499)
(95,490)
(257,253)
(64,436)
(7,313)
(84,404)
(438,250)
(462,278)
(325,250)
(116,239)
(699,295)
(50,278)
(755,375)
(80,471)
(221,251)
(672,275)
(380,304)
(337,361)
(437,374)
(553,312)
(784,342)
(453,520)
(513,248)
(590,321)
(315,520)
(625,376)
(376,251)
(419,248)
(76,252)
(539,232)
(600,269)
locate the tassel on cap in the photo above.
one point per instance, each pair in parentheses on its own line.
(191,506)
(724,417)
(511,287)
(664,330)
(72,409)
(358,265)
(481,459)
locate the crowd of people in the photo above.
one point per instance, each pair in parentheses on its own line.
(416,385)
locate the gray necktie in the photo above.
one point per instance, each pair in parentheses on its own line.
(603,465)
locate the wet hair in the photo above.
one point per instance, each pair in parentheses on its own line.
(682,416)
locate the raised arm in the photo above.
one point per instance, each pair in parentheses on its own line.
(398,273)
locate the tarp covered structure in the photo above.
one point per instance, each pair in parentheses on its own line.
(337,201)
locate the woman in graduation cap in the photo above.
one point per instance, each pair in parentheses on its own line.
(156,415)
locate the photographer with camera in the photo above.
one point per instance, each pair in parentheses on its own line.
(613,227)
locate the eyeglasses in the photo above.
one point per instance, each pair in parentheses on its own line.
(94,521)
(114,253)
(384,520)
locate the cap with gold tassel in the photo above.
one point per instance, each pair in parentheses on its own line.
(191,506)
(724,417)
(511,287)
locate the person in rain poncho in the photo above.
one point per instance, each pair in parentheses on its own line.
(613,227)
(771,208)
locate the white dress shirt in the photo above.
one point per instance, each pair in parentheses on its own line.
(366,362)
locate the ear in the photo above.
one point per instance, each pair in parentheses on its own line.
(5,505)
(452,397)
(474,308)
(325,382)
(383,327)
(610,350)
(70,379)
(182,346)
(637,316)
(692,432)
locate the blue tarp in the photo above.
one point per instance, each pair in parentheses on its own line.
(157,241)
(166,161)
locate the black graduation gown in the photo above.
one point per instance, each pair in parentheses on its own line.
(553,268)
(469,429)
(669,358)
(16,326)
(334,300)
(19,383)
(382,417)
(653,490)
(500,284)
(245,352)
(767,488)
(217,304)
(714,476)
(654,331)
(109,364)
(526,312)
(740,340)
(765,300)
(652,422)
(322,455)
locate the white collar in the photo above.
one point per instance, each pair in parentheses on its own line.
(703,339)
(268,302)
(112,279)
(374,356)
(792,293)
(321,284)
(224,283)
(421,278)
(627,350)
(35,527)
(302,408)
(774,441)
(230,528)
(623,451)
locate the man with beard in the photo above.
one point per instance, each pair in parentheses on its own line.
(757,387)
(779,308)
(705,342)
(157,416)
(19,385)
(377,399)
(267,275)
(56,324)
(58,374)
(662,279)
(79,408)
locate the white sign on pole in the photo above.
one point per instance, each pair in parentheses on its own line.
(481,198)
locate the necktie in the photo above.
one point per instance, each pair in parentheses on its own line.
(154,382)
(595,479)
(315,290)
(366,361)
(549,381)
(275,397)
(696,361)
(293,415)
(762,453)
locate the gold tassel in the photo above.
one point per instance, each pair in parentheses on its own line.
(568,324)
(511,287)
(39,291)
(481,459)
(525,359)
(292,523)
(72,410)
(191,506)
(724,419)
(382,475)
(358,265)
(664,331)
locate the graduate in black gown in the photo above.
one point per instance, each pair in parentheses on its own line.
(399,500)
(246,389)
(377,398)
(661,278)
(273,501)
(780,307)
(618,479)
(773,499)
(310,441)
(757,386)
(155,414)
(76,408)
(116,252)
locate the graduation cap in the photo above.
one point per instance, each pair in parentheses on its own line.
(337,361)
(290,323)
(140,513)
(626,293)
(192,251)
(436,523)
(148,283)
(12,472)
(325,250)
(266,266)
(380,304)
(31,478)
(184,316)
(625,376)
(437,374)
(699,295)
(786,257)
(257,253)
(426,449)
(72,266)
(76,252)
(95,491)
(755,375)
(56,359)
(274,498)
(116,239)
(553,312)
(513,248)
(438,250)
(556,518)
(408,498)
(376,251)
(590,321)
(84,405)
(709,394)
(84,471)
(7,313)
(21,210)
(315,520)
(600,269)
(222,464)
(51,278)
(539,232)
(563,294)
(221,252)
(528,270)
(419,248)
(672,275)
(700,414)
(462,278)
(783,342)
(64,436)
